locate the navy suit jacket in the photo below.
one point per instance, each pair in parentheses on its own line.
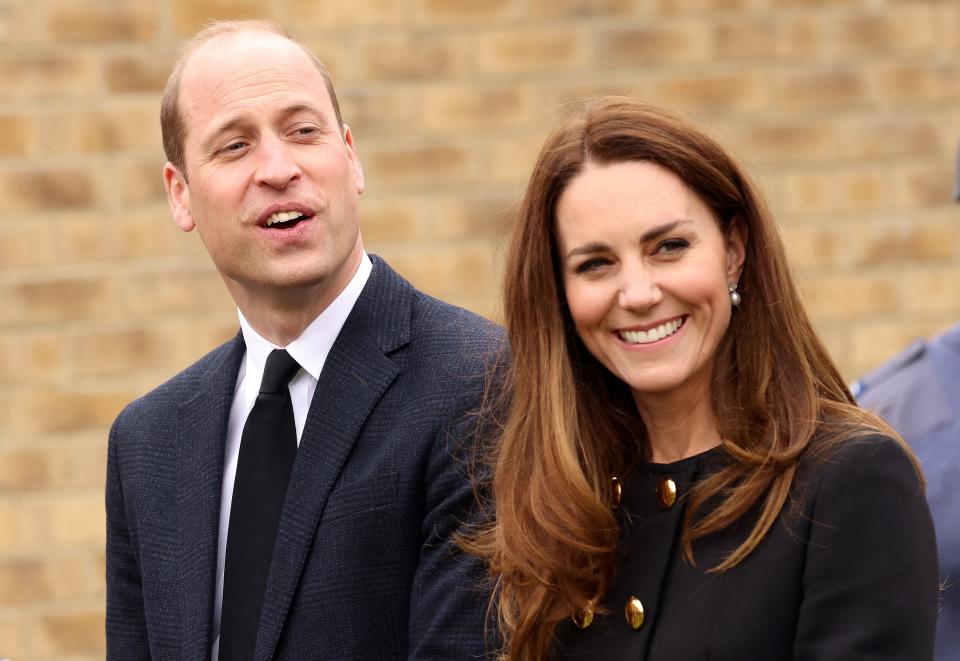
(363,565)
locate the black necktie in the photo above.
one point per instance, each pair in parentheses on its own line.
(268,447)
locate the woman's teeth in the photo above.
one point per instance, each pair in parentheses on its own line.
(652,335)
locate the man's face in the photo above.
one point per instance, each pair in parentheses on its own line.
(274,181)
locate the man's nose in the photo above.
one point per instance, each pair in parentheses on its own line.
(276,165)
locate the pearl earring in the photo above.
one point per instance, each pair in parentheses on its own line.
(735,297)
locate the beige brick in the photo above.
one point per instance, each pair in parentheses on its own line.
(77,132)
(44,75)
(456,270)
(848,296)
(190,15)
(512,159)
(465,106)
(77,632)
(138,71)
(532,50)
(31,356)
(53,466)
(13,634)
(25,581)
(116,351)
(470,217)
(808,192)
(698,6)
(713,92)
(930,290)
(912,84)
(150,232)
(908,28)
(644,46)
(797,4)
(86,237)
(410,57)
(57,299)
(9,524)
(788,141)
(876,342)
(392,219)
(865,191)
(426,164)
(135,181)
(372,112)
(580,8)
(929,186)
(745,37)
(174,290)
(866,138)
(463,11)
(327,14)
(53,410)
(102,20)
(47,190)
(17,136)
(800,36)
(30,243)
(820,89)
(911,241)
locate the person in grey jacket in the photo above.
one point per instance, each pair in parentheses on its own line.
(918,392)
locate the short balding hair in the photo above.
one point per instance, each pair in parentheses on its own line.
(172,125)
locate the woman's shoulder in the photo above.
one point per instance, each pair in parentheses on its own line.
(860,460)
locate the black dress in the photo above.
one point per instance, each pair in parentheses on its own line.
(847,573)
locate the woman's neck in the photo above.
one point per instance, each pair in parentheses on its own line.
(677,425)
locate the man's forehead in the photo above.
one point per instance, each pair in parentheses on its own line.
(243,66)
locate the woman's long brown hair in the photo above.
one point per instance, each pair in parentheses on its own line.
(570,425)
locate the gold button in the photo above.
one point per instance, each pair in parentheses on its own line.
(617,489)
(634,613)
(583,618)
(666,493)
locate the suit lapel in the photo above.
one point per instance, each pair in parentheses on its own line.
(201,434)
(357,372)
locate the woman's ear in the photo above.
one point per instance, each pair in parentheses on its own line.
(736,241)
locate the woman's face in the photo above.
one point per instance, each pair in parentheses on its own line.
(645,271)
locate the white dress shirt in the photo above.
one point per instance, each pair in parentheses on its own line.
(310,351)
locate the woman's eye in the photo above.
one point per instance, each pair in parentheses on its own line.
(591,265)
(672,246)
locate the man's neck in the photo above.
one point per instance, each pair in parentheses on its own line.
(280,315)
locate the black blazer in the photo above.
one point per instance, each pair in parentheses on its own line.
(847,573)
(363,567)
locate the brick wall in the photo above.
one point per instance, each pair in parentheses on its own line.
(846,111)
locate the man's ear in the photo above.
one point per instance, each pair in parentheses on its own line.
(354,159)
(736,249)
(178,195)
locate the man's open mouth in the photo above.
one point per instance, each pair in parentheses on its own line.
(283,220)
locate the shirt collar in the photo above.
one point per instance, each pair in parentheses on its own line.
(310,349)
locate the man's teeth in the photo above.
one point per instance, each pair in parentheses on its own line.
(282,217)
(652,335)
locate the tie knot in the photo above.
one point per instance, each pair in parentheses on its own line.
(279,370)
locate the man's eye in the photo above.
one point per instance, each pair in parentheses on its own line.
(233,147)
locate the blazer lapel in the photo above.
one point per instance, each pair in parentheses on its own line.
(201,434)
(357,372)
